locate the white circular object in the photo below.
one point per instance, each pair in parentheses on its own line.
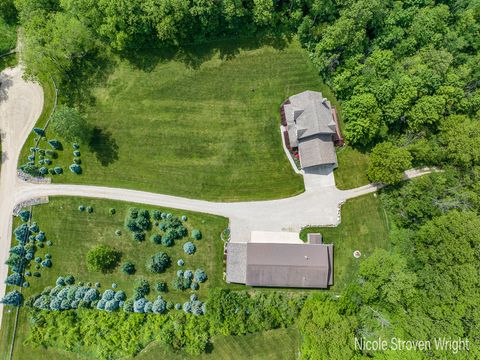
(357,254)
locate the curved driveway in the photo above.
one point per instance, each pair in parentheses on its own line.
(21,104)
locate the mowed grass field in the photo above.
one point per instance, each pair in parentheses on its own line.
(352,168)
(364,227)
(207,129)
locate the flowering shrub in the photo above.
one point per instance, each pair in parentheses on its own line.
(189,248)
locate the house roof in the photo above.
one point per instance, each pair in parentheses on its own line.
(289,265)
(311,114)
(318,150)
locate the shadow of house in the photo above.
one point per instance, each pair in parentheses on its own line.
(104,146)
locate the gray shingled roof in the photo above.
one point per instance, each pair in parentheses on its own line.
(317,150)
(289,265)
(310,125)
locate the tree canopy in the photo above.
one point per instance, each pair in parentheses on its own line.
(68,123)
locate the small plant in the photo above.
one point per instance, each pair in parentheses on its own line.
(55,144)
(128,268)
(162,286)
(75,168)
(139,236)
(58,170)
(156,239)
(180,262)
(75,146)
(118,232)
(77,161)
(49,243)
(69,280)
(47,263)
(189,248)
(24,215)
(89,209)
(43,170)
(112,211)
(184,217)
(81,208)
(196,234)
(76,153)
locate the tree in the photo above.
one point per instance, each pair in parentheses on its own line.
(428,110)
(387,163)
(189,248)
(13,298)
(200,275)
(460,137)
(321,321)
(362,116)
(128,268)
(69,124)
(102,258)
(158,262)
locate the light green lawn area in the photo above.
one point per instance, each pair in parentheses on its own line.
(364,227)
(279,344)
(73,233)
(207,131)
(352,168)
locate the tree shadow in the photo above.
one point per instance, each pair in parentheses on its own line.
(195,54)
(104,146)
(5,83)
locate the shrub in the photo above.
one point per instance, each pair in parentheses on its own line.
(22,233)
(193,297)
(112,211)
(51,171)
(156,215)
(169,305)
(75,146)
(114,285)
(128,268)
(48,162)
(17,250)
(13,298)
(47,263)
(55,144)
(196,307)
(108,295)
(158,262)
(39,131)
(77,161)
(15,279)
(168,238)
(180,273)
(24,215)
(139,305)
(43,170)
(91,295)
(187,307)
(139,236)
(34,228)
(200,275)
(120,296)
(156,239)
(60,281)
(76,153)
(159,306)
(58,170)
(40,237)
(194,286)
(162,286)
(38,259)
(55,304)
(28,273)
(188,274)
(142,289)
(48,256)
(128,306)
(29,256)
(69,280)
(180,262)
(36,274)
(118,232)
(89,209)
(196,234)
(111,305)
(184,218)
(102,258)
(49,243)
(178,306)
(189,248)
(101,304)
(148,307)
(75,168)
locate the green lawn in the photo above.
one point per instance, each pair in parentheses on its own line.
(352,168)
(206,130)
(279,344)
(364,227)
(73,233)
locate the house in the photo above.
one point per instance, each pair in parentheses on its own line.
(310,128)
(286,263)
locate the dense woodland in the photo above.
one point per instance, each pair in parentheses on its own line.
(408,75)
